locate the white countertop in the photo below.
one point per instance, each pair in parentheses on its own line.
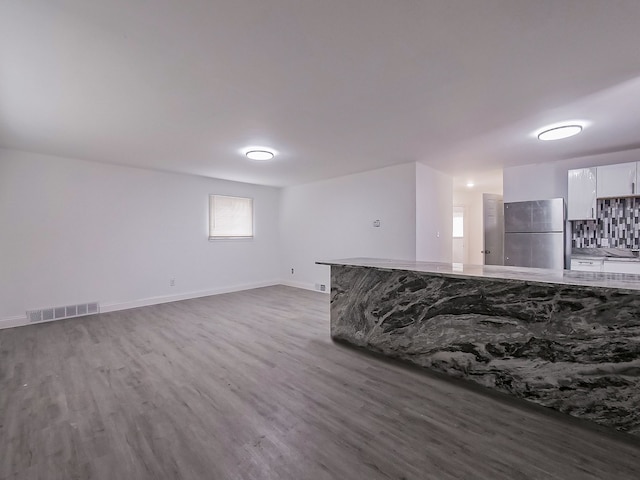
(606,254)
(596,258)
(538,275)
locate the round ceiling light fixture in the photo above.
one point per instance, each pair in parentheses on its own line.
(470,184)
(559,132)
(260,154)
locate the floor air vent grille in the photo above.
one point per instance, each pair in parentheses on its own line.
(57,313)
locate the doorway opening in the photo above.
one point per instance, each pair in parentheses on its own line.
(458,234)
(477,209)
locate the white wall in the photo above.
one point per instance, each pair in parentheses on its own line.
(549,180)
(334,218)
(434,215)
(535,182)
(76,231)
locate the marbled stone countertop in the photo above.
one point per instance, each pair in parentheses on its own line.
(620,281)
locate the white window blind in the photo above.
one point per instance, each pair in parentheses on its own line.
(230,217)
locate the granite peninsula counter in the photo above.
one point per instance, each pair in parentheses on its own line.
(564,339)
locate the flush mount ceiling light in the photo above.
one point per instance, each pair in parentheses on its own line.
(470,184)
(559,132)
(260,154)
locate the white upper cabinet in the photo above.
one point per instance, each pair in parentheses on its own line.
(617,180)
(581,201)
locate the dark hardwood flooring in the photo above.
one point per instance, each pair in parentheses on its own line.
(249,385)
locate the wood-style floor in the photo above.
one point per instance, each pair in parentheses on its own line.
(249,385)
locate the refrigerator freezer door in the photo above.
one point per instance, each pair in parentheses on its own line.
(539,250)
(547,215)
(537,216)
(517,217)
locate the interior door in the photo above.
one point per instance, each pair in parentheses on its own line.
(493,226)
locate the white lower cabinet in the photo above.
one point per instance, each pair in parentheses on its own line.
(602,265)
(587,264)
(621,267)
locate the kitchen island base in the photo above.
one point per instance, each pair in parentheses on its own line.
(571,347)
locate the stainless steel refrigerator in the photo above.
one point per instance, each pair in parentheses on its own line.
(534,234)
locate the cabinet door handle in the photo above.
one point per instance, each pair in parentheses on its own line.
(592,213)
(633,188)
(585,263)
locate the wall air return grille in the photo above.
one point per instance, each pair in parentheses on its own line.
(57,313)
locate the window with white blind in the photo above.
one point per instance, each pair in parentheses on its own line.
(230,217)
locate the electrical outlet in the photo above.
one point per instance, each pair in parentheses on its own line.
(172,282)
(323,287)
(292,271)
(376,223)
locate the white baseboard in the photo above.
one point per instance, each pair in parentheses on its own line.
(9,322)
(19,321)
(144,302)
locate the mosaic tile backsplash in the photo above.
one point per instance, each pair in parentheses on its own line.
(617,222)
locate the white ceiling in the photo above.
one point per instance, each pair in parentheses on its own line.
(336,86)
(483,181)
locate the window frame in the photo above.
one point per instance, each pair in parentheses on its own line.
(216,238)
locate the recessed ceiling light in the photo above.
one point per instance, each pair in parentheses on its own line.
(559,132)
(470,184)
(260,154)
